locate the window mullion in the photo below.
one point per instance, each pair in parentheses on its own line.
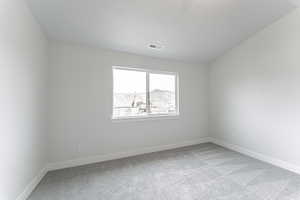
(147,93)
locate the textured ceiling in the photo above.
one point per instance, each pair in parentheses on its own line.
(188,30)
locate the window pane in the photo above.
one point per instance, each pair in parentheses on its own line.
(162,93)
(129,93)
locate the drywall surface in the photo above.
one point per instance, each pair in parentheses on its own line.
(22,65)
(81,104)
(255,92)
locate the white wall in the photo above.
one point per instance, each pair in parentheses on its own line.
(81,102)
(22,62)
(255,92)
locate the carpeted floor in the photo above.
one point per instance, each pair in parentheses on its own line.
(201,172)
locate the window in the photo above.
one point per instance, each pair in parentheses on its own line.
(144,93)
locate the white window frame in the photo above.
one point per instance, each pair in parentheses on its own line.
(149,115)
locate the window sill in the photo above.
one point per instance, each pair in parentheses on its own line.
(145,118)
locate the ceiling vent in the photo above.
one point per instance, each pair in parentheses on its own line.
(155,46)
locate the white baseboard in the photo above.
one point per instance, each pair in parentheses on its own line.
(95,159)
(274,161)
(113,156)
(32,185)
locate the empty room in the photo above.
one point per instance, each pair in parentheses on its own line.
(150,99)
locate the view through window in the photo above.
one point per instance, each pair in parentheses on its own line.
(142,93)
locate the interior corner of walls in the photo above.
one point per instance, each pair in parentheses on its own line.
(32,185)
